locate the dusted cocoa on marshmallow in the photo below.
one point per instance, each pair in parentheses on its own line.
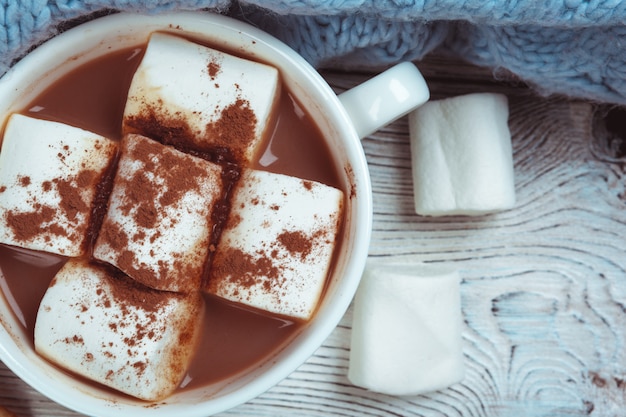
(49,179)
(462,156)
(188,94)
(406,330)
(276,248)
(158,226)
(114,331)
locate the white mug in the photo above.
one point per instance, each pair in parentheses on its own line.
(343,121)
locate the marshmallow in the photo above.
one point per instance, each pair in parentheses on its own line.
(113,331)
(462,157)
(406,331)
(189,94)
(276,248)
(157,228)
(49,178)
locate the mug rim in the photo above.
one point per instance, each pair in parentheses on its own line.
(32,68)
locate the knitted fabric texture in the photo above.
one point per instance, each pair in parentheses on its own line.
(570,47)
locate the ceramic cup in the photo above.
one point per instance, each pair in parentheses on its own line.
(343,121)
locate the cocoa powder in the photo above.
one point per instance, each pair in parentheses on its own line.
(243,269)
(28,225)
(229,136)
(235,129)
(140,198)
(71,193)
(213,68)
(127,261)
(179,174)
(113,235)
(156,123)
(296,243)
(24,181)
(133,296)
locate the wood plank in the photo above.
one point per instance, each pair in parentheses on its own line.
(543,291)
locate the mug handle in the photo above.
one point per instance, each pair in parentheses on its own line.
(385,98)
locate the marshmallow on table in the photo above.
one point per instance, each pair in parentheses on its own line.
(406,331)
(186,93)
(158,228)
(276,248)
(49,178)
(114,331)
(462,159)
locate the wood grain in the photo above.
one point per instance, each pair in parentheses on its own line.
(543,290)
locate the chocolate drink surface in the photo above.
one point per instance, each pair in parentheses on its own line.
(93,97)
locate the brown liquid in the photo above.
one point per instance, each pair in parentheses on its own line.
(93,97)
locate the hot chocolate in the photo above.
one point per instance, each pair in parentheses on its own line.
(93,98)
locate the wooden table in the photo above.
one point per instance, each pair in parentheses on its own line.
(544,284)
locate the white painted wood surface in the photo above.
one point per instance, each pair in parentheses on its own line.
(544,284)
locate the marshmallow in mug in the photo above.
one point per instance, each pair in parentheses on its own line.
(49,176)
(184,91)
(406,330)
(111,330)
(276,248)
(158,226)
(462,158)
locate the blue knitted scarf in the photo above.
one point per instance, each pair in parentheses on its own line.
(571,47)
